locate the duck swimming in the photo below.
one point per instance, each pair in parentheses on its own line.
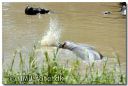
(107,12)
(34,11)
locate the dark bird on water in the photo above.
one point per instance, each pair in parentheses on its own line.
(34,11)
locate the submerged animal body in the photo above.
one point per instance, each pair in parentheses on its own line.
(85,52)
(122,4)
(34,11)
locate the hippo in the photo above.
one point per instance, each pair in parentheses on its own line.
(122,4)
(34,11)
(84,51)
(123,10)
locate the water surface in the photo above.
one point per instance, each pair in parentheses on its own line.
(79,22)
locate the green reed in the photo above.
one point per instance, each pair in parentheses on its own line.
(51,69)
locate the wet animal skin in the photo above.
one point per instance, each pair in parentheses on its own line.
(34,11)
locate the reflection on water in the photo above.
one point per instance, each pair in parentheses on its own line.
(79,22)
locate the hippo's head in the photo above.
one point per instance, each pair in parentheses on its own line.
(62,45)
(66,45)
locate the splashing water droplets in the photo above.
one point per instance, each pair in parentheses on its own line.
(52,36)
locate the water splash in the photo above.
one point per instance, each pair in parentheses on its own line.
(52,36)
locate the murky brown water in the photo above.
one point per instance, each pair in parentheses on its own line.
(79,22)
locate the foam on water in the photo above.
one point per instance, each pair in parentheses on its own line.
(52,36)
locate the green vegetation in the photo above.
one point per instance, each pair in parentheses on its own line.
(51,72)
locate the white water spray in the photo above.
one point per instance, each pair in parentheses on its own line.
(52,36)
